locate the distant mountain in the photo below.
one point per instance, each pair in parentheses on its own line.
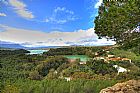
(87,42)
(4,44)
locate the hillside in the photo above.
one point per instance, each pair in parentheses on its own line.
(52,72)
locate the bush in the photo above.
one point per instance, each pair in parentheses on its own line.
(35,75)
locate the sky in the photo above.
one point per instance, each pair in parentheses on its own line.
(50,22)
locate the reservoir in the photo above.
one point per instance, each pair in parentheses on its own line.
(37,51)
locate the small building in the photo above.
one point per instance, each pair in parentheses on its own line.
(82,62)
(110,56)
(120,69)
(107,51)
(99,58)
(67,78)
(72,60)
(127,59)
(96,54)
(119,59)
(114,59)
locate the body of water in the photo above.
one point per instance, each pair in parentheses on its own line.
(37,51)
(81,57)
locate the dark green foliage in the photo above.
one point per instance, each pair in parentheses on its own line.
(118,20)
(4,53)
(22,73)
(136,50)
(100,67)
(89,51)
(49,63)
(17,65)
(66,51)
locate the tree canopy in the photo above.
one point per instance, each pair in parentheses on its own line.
(119,20)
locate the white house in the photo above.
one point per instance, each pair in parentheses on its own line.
(83,63)
(67,78)
(99,58)
(111,56)
(120,69)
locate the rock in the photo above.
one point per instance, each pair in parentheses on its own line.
(131,86)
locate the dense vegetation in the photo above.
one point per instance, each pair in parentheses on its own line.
(49,72)
(89,51)
(4,53)
(119,20)
(23,73)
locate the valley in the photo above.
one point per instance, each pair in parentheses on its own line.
(73,69)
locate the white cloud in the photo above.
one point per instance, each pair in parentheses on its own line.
(47,20)
(3,14)
(98,4)
(59,9)
(21,9)
(63,9)
(61,15)
(56,38)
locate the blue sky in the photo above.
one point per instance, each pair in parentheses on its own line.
(47,15)
(55,19)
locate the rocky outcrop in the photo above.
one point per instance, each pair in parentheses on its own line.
(131,86)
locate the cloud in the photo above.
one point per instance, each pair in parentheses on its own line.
(4,2)
(64,10)
(59,9)
(21,9)
(61,15)
(30,38)
(98,4)
(3,14)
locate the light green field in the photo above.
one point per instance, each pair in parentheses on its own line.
(81,57)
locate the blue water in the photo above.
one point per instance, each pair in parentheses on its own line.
(37,51)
